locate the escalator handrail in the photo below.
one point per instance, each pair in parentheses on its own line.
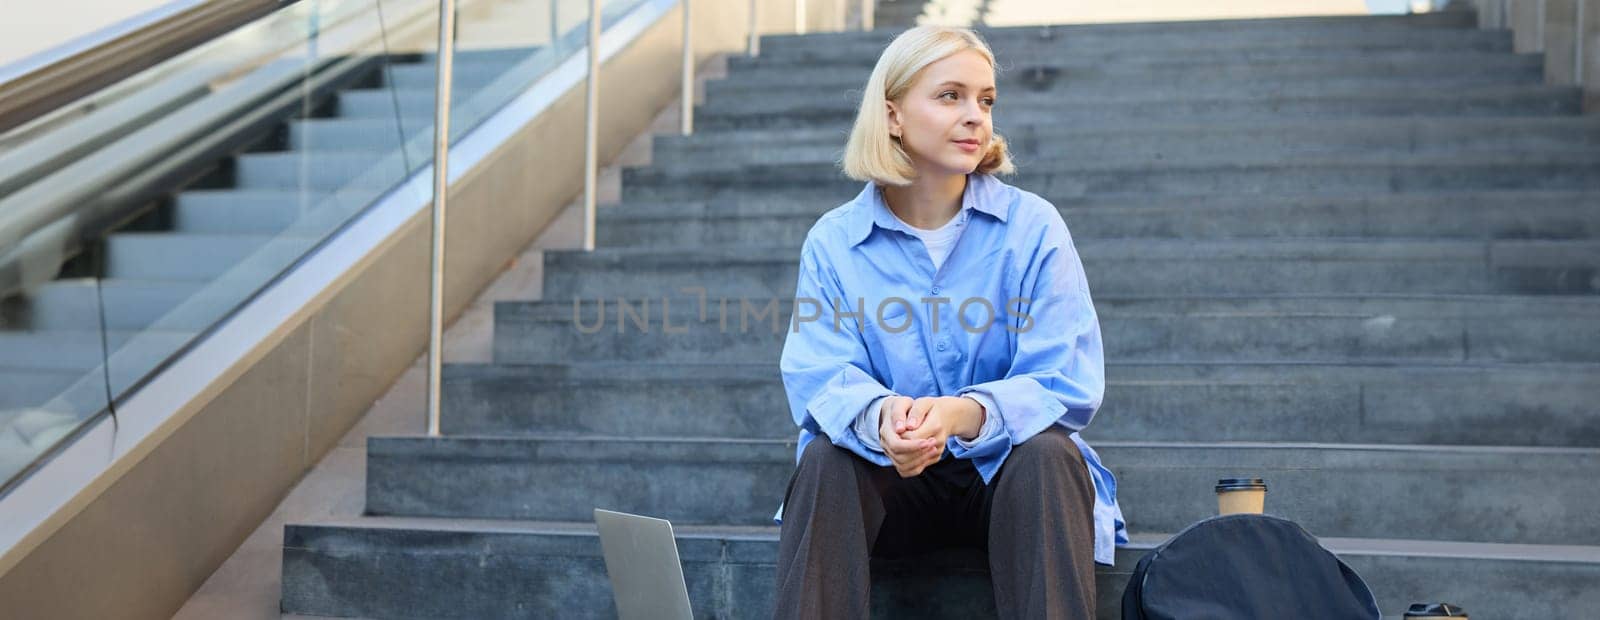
(43,82)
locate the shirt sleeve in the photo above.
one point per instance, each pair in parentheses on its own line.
(825,370)
(1057,372)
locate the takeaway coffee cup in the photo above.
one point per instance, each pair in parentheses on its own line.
(1435,610)
(1241,495)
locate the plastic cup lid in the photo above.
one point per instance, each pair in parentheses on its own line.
(1435,610)
(1241,484)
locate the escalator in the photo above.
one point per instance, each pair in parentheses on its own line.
(141,216)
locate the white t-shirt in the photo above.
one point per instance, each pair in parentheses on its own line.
(940,240)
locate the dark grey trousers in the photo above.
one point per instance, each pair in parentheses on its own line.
(1035,519)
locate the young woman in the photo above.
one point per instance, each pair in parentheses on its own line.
(946,352)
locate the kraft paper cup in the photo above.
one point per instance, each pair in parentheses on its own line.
(1241,495)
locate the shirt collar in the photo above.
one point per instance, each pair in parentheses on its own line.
(982,194)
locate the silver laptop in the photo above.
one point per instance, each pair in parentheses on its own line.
(642,561)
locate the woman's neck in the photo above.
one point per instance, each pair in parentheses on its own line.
(928,202)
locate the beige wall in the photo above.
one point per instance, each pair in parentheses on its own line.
(1559,36)
(31,26)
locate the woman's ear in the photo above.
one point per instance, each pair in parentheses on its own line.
(894,119)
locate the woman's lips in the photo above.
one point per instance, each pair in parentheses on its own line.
(970,146)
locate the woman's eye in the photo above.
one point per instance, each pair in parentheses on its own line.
(951,93)
(989,101)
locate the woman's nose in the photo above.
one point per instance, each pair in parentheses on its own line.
(974,114)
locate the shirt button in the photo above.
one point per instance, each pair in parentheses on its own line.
(935,291)
(941,345)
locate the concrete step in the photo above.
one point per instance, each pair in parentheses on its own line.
(1299,329)
(191,257)
(1476,493)
(1335,173)
(1025,85)
(1097,39)
(1520,101)
(1556,215)
(1135,267)
(787,204)
(1181,143)
(1045,72)
(320,171)
(1421,134)
(385,567)
(560,572)
(1275,29)
(1026,102)
(1053,165)
(1345,402)
(1021,58)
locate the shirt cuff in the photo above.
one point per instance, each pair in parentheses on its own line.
(991,424)
(867,423)
(988,451)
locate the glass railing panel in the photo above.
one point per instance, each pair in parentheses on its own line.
(133,221)
(137,219)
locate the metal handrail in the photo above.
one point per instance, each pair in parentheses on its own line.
(52,194)
(38,84)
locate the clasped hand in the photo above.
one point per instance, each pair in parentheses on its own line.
(913,433)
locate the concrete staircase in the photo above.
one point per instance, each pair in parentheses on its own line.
(1358,257)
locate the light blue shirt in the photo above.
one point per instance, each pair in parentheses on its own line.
(1007,320)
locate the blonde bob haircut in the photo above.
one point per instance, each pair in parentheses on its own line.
(872,154)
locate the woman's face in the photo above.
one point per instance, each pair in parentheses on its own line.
(944,119)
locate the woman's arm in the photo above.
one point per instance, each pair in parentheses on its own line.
(826,371)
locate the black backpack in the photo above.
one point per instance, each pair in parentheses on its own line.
(1244,566)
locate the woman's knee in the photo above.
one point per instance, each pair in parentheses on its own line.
(1051,448)
(826,477)
(1048,460)
(822,454)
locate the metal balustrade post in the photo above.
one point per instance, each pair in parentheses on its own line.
(1538,33)
(868,10)
(591,126)
(752,47)
(686,102)
(1577,42)
(441,193)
